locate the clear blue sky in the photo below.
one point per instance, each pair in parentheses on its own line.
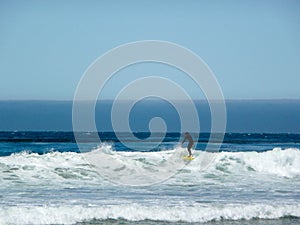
(253,47)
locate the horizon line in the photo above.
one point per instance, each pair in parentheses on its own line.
(226,100)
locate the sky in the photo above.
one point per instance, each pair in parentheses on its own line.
(252,47)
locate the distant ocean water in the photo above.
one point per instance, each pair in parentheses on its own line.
(45,179)
(253,116)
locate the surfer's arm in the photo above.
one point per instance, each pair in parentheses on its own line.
(183,140)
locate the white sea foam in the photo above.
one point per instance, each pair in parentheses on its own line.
(136,212)
(56,167)
(51,168)
(52,171)
(278,162)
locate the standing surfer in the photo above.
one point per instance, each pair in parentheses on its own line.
(188,137)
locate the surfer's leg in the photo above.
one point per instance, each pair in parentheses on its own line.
(189,149)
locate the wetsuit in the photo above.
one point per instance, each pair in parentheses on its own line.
(188,137)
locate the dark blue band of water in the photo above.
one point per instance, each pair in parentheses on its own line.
(44,142)
(236,138)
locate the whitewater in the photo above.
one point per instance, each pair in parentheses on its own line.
(65,188)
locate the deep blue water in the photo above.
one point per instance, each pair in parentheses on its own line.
(243,116)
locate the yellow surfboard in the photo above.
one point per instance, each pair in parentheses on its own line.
(186,157)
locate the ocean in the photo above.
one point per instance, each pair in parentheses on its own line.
(46,179)
(243,116)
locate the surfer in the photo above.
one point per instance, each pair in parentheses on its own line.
(188,137)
